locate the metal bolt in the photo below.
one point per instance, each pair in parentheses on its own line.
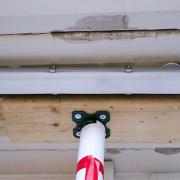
(52,69)
(102,116)
(172,65)
(128,69)
(78,116)
(78,134)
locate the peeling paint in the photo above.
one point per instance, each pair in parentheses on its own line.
(113,151)
(167,151)
(93,35)
(62,47)
(110,35)
(119,150)
(101,22)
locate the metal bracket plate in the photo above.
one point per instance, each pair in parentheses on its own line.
(82,119)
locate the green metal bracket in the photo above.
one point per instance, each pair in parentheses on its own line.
(82,119)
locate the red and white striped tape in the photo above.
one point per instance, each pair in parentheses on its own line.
(92,167)
(91,153)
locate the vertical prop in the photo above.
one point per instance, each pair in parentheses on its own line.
(91,153)
(92,131)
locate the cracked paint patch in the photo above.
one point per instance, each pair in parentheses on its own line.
(101,22)
(111,35)
(167,151)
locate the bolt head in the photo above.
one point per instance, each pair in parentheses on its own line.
(78,134)
(102,116)
(52,69)
(78,116)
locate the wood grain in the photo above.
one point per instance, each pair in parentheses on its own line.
(134,119)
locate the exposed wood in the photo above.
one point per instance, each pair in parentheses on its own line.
(133,119)
(2,125)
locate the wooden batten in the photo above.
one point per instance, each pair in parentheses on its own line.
(134,119)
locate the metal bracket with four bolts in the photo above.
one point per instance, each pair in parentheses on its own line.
(82,119)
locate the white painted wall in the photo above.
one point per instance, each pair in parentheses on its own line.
(60,159)
(44,23)
(81,6)
(53,161)
(42,16)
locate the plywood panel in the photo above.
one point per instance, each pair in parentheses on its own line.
(133,119)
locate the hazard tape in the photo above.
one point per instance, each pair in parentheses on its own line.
(92,165)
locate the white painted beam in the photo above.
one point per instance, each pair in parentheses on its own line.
(90,48)
(109,170)
(54,161)
(90,81)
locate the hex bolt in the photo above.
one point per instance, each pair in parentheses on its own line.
(128,69)
(102,117)
(52,69)
(78,134)
(78,116)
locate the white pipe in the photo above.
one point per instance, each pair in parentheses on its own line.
(91,153)
(90,81)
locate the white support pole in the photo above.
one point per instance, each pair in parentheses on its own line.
(90,164)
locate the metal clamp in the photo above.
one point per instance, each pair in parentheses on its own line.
(82,119)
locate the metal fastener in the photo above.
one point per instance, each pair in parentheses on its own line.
(128,69)
(78,116)
(52,69)
(78,134)
(102,116)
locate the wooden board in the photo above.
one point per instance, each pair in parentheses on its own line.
(134,119)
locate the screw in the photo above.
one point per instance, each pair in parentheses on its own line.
(78,134)
(78,116)
(102,117)
(52,69)
(128,69)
